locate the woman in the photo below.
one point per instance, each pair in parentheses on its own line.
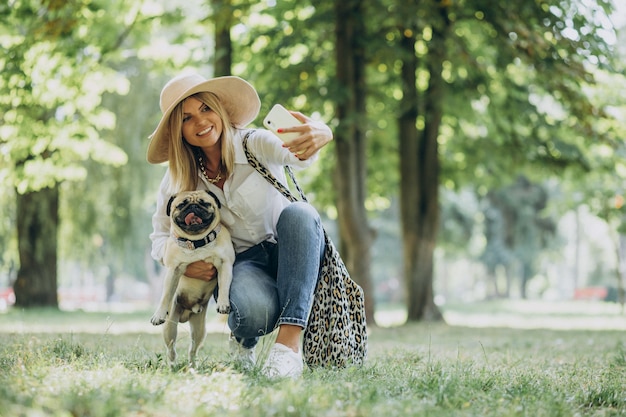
(279,244)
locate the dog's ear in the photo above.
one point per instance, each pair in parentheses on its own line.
(169,205)
(217,200)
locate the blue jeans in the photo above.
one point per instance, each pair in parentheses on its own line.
(273,283)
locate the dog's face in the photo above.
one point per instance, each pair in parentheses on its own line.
(193,214)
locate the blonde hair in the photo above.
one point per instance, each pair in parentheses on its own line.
(183,157)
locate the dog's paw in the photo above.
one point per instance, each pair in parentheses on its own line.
(158,317)
(223,308)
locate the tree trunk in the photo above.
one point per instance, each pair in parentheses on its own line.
(419,165)
(619,246)
(620,269)
(37,225)
(525,276)
(223,18)
(110,283)
(492,278)
(350,144)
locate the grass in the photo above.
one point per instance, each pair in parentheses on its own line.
(112,364)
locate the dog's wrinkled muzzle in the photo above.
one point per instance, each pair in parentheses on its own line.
(195,219)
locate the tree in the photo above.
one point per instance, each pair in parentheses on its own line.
(517,230)
(351,146)
(106,233)
(419,164)
(485,74)
(50,90)
(223,21)
(601,188)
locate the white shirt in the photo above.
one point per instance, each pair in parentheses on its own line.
(250,204)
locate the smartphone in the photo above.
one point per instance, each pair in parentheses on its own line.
(278,118)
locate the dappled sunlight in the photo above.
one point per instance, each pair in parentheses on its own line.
(21,322)
(390,318)
(524,314)
(524,321)
(210,393)
(184,392)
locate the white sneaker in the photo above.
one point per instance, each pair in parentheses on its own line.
(244,356)
(283,362)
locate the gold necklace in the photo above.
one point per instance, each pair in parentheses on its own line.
(217,178)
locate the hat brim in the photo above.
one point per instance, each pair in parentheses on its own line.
(239,98)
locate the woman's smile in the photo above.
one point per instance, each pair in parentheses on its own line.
(205,131)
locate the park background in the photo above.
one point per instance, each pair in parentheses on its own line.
(478,149)
(475,189)
(507,184)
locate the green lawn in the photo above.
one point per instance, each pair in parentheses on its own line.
(112,364)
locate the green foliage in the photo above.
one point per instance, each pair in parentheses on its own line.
(602,188)
(517,73)
(51,89)
(109,228)
(517,77)
(88,71)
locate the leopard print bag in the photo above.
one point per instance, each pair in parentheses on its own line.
(336,332)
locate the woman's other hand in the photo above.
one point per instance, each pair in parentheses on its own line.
(314,135)
(201,270)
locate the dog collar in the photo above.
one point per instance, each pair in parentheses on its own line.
(195,244)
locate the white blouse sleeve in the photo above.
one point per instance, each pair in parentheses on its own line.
(160,220)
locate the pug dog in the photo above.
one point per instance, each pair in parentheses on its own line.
(196,235)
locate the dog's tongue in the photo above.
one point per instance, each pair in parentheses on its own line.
(191,218)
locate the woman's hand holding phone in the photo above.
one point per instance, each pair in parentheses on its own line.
(302,135)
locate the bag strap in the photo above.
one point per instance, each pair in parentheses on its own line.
(262,169)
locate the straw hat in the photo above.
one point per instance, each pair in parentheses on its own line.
(239,98)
